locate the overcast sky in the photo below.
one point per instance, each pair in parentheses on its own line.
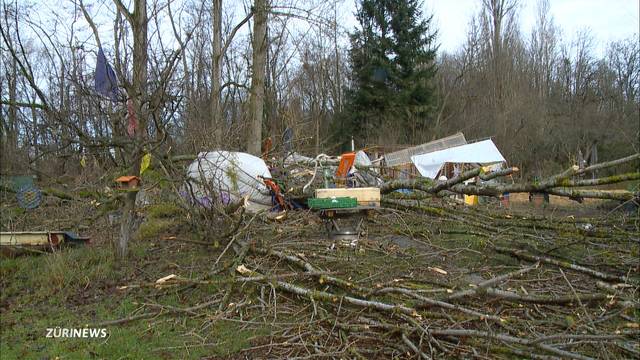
(607,20)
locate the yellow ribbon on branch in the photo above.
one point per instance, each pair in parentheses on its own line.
(146,161)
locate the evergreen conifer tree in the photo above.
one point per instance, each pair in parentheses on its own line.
(392,59)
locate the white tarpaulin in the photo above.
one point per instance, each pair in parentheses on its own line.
(231,176)
(362,159)
(294,158)
(481,152)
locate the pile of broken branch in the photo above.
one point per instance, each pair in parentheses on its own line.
(428,280)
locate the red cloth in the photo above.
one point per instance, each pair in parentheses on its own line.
(132,124)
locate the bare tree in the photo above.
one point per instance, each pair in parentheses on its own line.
(497,16)
(259,45)
(543,49)
(216,69)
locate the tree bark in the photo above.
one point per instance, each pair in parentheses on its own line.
(216,68)
(259,44)
(138,94)
(12,138)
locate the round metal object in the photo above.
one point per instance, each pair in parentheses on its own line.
(29,197)
(344,235)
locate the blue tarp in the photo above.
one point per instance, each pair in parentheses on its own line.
(106,82)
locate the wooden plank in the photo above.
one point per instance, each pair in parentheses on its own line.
(369,196)
(24,238)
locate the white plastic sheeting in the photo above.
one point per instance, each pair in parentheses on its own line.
(230,176)
(365,178)
(362,159)
(482,152)
(294,158)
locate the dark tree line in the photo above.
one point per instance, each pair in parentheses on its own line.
(544,100)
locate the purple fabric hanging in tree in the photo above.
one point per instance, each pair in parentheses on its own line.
(106,82)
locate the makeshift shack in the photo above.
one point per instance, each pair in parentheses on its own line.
(449,162)
(400,165)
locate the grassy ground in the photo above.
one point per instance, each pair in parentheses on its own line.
(75,287)
(78,287)
(81,286)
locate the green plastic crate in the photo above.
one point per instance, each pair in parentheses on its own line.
(332,203)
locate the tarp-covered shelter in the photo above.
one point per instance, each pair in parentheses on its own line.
(403,157)
(482,152)
(399,162)
(227,177)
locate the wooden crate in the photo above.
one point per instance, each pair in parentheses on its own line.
(369,196)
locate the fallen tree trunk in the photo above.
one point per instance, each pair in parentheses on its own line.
(620,195)
(498,190)
(430,186)
(559,184)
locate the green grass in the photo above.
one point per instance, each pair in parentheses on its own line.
(163,210)
(160,219)
(76,287)
(138,340)
(152,228)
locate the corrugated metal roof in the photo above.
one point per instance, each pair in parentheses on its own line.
(404,156)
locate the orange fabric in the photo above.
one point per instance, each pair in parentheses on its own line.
(276,191)
(346,162)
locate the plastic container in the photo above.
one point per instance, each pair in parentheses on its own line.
(332,203)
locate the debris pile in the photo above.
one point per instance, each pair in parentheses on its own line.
(430,277)
(429,280)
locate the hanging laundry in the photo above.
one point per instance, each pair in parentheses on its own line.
(106,82)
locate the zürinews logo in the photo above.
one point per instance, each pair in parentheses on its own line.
(82,333)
